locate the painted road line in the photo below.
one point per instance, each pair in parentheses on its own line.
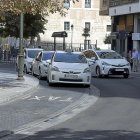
(37,98)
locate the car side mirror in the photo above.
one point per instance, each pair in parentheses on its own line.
(37,59)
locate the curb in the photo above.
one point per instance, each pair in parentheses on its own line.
(60,116)
(9,95)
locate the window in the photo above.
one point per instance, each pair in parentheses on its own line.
(87,3)
(47,55)
(70,58)
(104,3)
(108,28)
(89,54)
(66,4)
(66,26)
(87,25)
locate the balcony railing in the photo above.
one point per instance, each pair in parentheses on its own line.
(113,3)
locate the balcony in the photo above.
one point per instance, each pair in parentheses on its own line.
(114,3)
(104,7)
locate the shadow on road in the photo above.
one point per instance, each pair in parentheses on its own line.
(67,134)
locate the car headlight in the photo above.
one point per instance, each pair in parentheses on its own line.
(86,70)
(106,64)
(128,64)
(54,69)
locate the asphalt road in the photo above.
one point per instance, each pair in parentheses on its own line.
(42,105)
(115,115)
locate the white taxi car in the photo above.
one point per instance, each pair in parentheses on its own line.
(29,55)
(69,67)
(107,62)
(40,65)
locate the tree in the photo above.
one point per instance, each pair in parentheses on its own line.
(107,39)
(34,15)
(33,25)
(21,7)
(44,7)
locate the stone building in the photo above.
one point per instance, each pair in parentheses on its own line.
(82,14)
(125,21)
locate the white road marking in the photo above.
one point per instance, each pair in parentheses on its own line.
(37,98)
(52,98)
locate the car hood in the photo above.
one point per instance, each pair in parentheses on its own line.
(45,62)
(70,66)
(115,61)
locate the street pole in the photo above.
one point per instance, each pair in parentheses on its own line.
(21,55)
(72,36)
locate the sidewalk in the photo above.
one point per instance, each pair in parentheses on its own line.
(138,72)
(12,89)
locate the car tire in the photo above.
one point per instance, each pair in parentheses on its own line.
(32,72)
(98,72)
(16,67)
(39,76)
(50,83)
(87,86)
(106,76)
(25,70)
(126,75)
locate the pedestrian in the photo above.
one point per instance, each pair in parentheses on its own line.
(135,59)
(129,58)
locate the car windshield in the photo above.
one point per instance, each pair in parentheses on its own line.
(47,55)
(33,53)
(109,55)
(70,58)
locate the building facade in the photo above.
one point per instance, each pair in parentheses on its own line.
(125,21)
(81,15)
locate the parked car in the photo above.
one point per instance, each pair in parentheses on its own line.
(69,67)
(107,62)
(29,55)
(40,64)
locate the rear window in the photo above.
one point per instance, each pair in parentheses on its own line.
(70,58)
(109,55)
(47,55)
(33,53)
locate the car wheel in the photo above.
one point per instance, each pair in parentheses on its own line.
(50,83)
(126,75)
(16,68)
(106,76)
(87,86)
(32,71)
(39,76)
(98,72)
(25,70)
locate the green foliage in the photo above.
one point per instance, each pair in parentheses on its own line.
(33,10)
(33,6)
(33,25)
(107,39)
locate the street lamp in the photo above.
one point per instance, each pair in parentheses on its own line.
(72,26)
(21,55)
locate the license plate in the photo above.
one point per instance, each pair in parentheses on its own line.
(71,76)
(119,69)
